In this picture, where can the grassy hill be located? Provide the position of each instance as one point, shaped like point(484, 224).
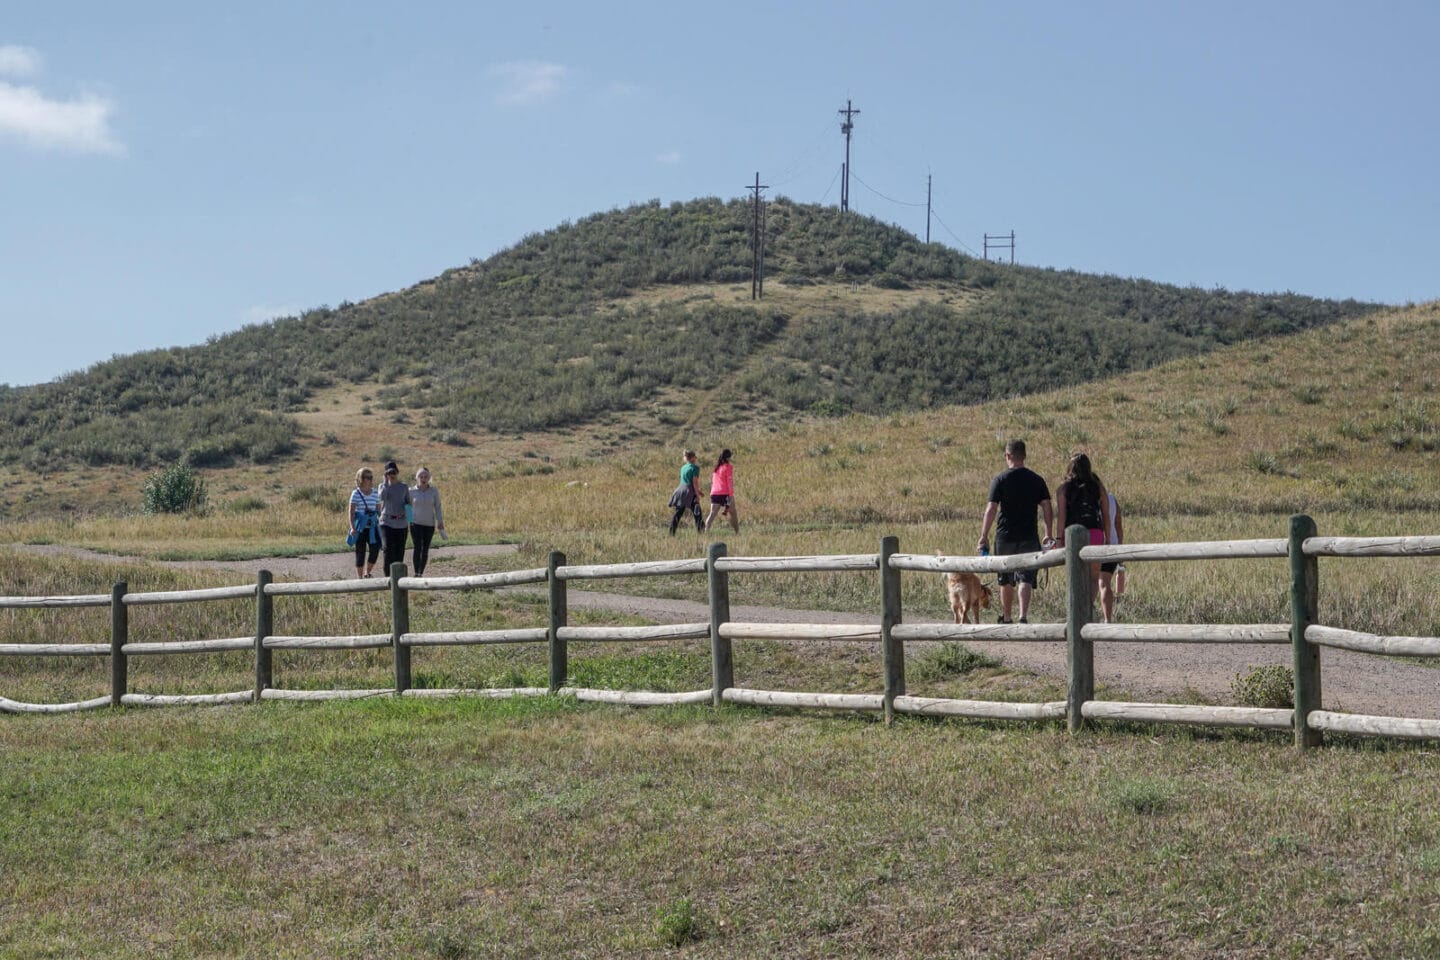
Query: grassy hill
point(464, 810)
point(644, 314)
point(1340, 422)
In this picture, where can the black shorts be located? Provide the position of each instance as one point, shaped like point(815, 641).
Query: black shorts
point(720, 499)
point(1016, 577)
point(1005, 548)
point(1109, 567)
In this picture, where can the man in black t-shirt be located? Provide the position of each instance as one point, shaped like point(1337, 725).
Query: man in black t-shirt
point(1014, 496)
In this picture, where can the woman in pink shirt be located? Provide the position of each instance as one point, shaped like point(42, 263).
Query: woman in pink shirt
point(722, 492)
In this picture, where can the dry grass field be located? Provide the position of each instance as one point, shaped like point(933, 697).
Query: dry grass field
point(1341, 423)
point(546, 827)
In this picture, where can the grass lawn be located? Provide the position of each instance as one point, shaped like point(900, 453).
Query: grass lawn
point(546, 827)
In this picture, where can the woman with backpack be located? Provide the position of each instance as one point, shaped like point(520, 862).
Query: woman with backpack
point(1082, 499)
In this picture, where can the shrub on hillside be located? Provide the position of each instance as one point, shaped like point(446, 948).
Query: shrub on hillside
point(1272, 686)
point(320, 496)
point(890, 281)
point(175, 489)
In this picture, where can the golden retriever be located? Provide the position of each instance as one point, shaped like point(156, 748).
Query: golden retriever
point(967, 595)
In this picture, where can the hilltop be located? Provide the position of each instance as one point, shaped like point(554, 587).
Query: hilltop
point(630, 327)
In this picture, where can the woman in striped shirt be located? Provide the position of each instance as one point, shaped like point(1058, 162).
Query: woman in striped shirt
point(364, 519)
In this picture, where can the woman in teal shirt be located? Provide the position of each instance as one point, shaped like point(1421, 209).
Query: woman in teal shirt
point(687, 495)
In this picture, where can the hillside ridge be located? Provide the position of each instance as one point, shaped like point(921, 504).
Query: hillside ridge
point(642, 312)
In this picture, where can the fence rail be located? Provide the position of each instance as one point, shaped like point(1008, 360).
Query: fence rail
point(1307, 719)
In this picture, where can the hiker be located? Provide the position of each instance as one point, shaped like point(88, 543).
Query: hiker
point(1081, 499)
point(364, 522)
point(425, 518)
point(687, 494)
point(1115, 534)
point(722, 492)
point(394, 516)
point(1015, 494)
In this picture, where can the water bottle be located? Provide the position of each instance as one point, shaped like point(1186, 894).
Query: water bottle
point(985, 550)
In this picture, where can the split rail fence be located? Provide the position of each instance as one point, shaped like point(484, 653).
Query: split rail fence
point(1308, 720)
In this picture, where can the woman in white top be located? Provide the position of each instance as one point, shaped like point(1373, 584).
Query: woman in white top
point(364, 522)
point(425, 517)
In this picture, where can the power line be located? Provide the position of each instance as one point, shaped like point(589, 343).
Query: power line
point(903, 203)
point(792, 170)
point(952, 234)
point(838, 171)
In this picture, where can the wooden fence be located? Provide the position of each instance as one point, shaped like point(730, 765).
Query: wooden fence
point(1308, 719)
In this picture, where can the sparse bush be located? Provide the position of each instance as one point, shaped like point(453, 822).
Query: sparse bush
point(1263, 461)
point(1353, 430)
point(320, 496)
point(1145, 795)
point(1429, 861)
point(889, 281)
point(176, 489)
point(247, 504)
point(1271, 686)
point(950, 659)
point(677, 923)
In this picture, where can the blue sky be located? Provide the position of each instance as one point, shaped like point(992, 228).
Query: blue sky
point(173, 171)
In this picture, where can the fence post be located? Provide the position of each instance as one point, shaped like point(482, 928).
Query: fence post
point(399, 626)
point(119, 636)
point(559, 616)
point(892, 650)
point(1080, 652)
point(1304, 610)
point(722, 661)
point(264, 627)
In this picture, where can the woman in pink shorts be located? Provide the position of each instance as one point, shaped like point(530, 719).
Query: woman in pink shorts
point(1082, 499)
point(722, 492)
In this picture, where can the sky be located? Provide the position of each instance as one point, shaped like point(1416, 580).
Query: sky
point(170, 172)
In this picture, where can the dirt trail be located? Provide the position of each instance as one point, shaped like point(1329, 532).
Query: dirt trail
point(1352, 682)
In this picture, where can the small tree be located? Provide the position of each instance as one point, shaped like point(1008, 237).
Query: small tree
point(174, 490)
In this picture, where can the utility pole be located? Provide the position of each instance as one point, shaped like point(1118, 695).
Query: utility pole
point(845, 128)
point(757, 244)
point(928, 177)
point(762, 251)
point(1000, 244)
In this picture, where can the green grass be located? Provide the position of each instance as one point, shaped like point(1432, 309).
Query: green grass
point(546, 827)
point(470, 828)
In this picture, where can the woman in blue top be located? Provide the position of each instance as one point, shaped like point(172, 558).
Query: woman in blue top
point(364, 519)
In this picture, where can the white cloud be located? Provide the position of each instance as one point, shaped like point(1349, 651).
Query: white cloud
point(523, 83)
point(19, 61)
point(669, 156)
point(82, 125)
point(26, 114)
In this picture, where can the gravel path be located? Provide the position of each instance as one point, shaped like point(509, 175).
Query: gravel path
point(1353, 682)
